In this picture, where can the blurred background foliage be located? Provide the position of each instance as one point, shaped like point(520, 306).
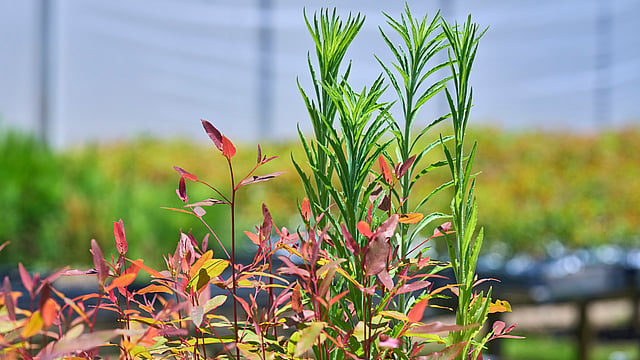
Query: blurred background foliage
point(535, 188)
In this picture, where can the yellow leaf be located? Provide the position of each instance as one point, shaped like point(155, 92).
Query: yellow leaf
point(308, 337)
point(410, 218)
point(33, 326)
point(500, 306)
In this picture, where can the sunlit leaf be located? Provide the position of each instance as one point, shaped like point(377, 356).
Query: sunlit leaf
point(417, 310)
point(308, 337)
point(33, 326)
point(410, 218)
point(49, 311)
point(499, 306)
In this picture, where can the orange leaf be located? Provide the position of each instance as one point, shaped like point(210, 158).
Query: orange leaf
point(178, 210)
point(417, 311)
point(153, 288)
point(253, 237)
point(410, 218)
point(123, 280)
point(500, 306)
point(364, 229)
point(149, 270)
point(296, 302)
point(384, 168)
point(49, 312)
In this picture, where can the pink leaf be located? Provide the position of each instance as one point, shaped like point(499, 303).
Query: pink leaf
point(449, 353)
point(414, 286)
point(213, 133)
point(26, 278)
point(442, 229)
point(200, 212)
point(259, 155)
point(436, 327)
point(258, 178)
point(386, 279)
point(121, 240)
point(389, 342)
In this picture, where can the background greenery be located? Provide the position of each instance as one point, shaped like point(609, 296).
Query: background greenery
point(535, 188)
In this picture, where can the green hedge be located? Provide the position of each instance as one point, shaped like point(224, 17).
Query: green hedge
point(535, 187)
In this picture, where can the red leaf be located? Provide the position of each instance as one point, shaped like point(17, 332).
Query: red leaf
point(267, 224)
point(259, 155)
point(185, 173)
point(417, 310)
point(8, 299)
point(442, 229)
point(384, 168)
point(228, 149)
point(306, 209)
point(403, 167)
point(213, 133)
point(385, 279)
point(182, 190)
point(121, 240)
point(351, 244)
point(259, 178)
point(385, 204)
point(98, 261)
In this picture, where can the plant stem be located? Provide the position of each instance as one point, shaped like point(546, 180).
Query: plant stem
point(233, 256)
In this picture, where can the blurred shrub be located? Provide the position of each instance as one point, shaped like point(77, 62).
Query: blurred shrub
point(579, 189)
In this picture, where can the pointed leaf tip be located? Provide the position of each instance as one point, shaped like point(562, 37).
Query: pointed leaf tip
point(228, 150)
point(213, 133)
point(121, 240)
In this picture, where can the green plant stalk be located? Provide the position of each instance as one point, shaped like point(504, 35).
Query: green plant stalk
point(464, 252)
point(332, 39)
point(420, 46)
